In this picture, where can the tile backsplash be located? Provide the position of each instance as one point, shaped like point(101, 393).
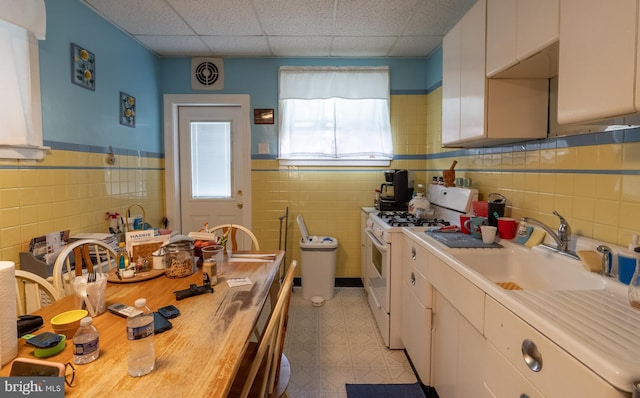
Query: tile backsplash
point(593, 180)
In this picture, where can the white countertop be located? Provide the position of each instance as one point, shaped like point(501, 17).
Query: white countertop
point(597, 327)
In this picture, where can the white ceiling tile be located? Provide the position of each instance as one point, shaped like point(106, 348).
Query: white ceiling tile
point(435, 17)
point(362, 46)
point(220, 17)
point(295, 18)
point(286, 46)
point(238, 46)
point(373, 17)
point(146, 17)
point(412, 46)
point(175, 45)
point(287, 28)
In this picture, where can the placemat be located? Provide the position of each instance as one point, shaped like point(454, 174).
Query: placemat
point(458, 240)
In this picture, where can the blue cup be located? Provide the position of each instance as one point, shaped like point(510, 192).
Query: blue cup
point(626, 268)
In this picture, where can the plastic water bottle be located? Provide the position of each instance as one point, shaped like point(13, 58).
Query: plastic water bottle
point(86, 342)
point(142, 357)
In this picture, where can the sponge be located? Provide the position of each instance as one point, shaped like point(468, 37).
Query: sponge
point(537, 236)
point(591, 260)
point(524, 232)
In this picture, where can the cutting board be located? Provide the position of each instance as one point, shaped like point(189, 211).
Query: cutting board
point(458, 240)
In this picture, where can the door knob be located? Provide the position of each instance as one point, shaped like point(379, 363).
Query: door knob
point(239, 192)
point(239, 205)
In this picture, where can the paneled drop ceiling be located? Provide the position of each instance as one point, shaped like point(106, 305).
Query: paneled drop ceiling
point(285, 28)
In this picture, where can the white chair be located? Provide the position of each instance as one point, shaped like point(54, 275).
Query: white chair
point(96, 255)
point(244, 242)
point(34, 292)
point(265, 370)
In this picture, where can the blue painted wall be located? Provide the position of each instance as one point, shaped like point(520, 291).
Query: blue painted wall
point(74, 115)
point(258, 77)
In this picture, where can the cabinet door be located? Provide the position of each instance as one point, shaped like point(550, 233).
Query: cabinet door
point(597, 59)
point(451, 86)
point(445, 347)
point(416, 332)
point(538, 26)
point(472, 72)
point(501, 35)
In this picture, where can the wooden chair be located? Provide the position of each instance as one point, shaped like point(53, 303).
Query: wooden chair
point(96, 255)
point(34, 292)
point(265, 370)
point(231, 231)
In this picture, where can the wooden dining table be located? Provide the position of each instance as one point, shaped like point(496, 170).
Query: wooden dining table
point(198, 357)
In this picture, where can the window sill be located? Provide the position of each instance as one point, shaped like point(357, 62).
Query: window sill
point(23, 152)
point(335, 162)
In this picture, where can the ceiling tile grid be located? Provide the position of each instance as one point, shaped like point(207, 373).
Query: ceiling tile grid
point(285, 28)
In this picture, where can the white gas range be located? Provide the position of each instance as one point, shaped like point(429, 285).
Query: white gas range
point(384, 262)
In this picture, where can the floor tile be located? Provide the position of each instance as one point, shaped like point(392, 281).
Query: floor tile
point(338, 343)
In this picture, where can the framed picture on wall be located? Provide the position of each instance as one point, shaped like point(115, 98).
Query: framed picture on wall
point(127, 110)
point(83, 67)
point(263, 116)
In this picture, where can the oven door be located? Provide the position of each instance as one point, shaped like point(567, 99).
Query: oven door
point(378, 270)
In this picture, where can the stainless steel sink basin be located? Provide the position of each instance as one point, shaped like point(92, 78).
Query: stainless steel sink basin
point(517, 268)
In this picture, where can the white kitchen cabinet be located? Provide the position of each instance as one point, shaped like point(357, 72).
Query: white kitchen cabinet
point(501, 379)
point(477, 111)
point(417, 301)
point(559, 374)
point(520, 34)
point(597, 62)
point(458, 353)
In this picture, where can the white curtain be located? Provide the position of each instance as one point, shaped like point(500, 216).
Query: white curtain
point(334, 112)
point(21, 22)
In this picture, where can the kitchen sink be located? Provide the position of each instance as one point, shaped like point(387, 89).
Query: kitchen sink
point(515, 268)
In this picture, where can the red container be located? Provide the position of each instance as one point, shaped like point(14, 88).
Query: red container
point(480, 208)
point(507, 227)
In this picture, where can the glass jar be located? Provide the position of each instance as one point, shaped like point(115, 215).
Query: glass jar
point(179, 259)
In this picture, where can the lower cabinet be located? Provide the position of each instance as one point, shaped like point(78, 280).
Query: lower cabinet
point(543, 367)
point(458, 353)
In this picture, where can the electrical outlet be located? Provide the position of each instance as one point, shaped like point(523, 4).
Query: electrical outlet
point(263, 149)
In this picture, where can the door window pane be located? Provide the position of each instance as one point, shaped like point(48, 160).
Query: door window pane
point(210, 160)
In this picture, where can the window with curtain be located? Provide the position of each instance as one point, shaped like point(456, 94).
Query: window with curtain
point(22, 24)
point(331, 115)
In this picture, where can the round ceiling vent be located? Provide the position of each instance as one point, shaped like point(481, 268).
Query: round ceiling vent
point(207, 73)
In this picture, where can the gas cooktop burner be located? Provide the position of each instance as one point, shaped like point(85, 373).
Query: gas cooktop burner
point(404, 219)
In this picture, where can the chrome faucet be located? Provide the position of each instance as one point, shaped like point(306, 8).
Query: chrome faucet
point(561, 238)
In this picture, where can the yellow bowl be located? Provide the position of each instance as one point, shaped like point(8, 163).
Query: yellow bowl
point(67, 323)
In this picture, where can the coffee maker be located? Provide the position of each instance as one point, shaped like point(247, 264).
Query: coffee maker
point(395, 192)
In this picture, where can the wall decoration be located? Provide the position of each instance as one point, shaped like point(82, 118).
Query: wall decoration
point(127, 110)
point(83, 67)
point(263, 116)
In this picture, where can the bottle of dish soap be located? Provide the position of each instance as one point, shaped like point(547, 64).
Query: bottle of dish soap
point(634, 284)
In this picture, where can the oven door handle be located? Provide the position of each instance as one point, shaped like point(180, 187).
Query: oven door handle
point(374, 240)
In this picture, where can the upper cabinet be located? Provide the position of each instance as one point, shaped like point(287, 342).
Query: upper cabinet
point(477, 111)
point(597, 64)
point(522, 38)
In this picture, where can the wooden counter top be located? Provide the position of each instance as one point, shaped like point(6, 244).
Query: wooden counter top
point(198, 357)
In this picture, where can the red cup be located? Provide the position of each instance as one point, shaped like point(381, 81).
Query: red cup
point(507, 227)
point(464, 218)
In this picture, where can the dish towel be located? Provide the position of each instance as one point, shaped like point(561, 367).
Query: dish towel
point(8, 325)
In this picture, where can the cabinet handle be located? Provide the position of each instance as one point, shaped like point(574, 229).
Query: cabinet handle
point(413, 279)
point(531, 355)
point(413, 253)
point(524, 396)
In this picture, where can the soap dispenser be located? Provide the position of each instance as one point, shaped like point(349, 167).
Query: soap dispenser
point(627, 261)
